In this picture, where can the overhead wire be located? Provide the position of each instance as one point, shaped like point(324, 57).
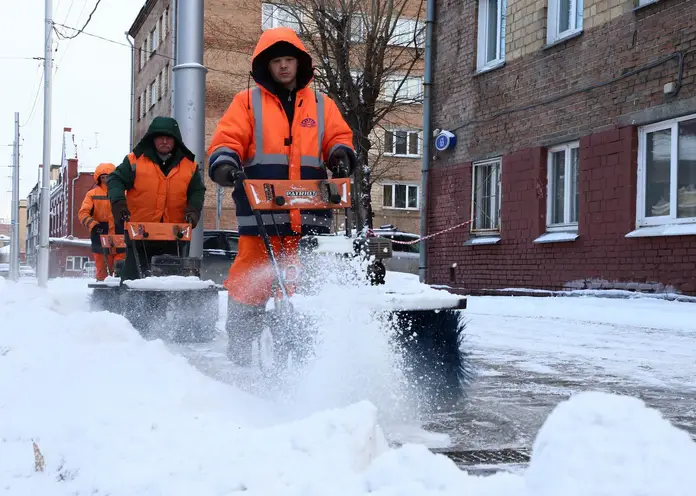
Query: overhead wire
point(80, 30)
point(115, 42)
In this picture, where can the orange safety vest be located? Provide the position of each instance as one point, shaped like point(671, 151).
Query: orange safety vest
point(156, 197)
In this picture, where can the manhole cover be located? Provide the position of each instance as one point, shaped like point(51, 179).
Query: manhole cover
point(488, 456)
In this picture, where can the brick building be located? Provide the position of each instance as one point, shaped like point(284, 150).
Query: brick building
point(68, 238)
point(231, 31)
point(575, 158)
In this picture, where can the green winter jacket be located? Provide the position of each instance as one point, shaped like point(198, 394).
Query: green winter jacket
point(123, 178)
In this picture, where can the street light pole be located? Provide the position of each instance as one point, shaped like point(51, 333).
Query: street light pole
point(189, 92)
point(45, 205)
point(14, 242)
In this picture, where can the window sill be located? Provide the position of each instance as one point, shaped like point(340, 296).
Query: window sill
point(399, 209)
point(489, 68)
point(397, 155)
point(664, 230)
point(483, 240)
point(557, 237)
point(563, 39)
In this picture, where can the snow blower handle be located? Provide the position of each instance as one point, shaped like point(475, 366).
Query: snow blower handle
point(241, 175)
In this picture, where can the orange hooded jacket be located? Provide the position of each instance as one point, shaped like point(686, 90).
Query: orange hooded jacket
point(96, 208)
point(255, 132)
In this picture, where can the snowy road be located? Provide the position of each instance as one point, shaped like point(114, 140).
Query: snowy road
point(532, 353)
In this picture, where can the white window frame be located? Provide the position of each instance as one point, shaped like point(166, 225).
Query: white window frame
point(411, 90)
point(553, 22)
point(494, 198)
point(143, 104)
point(641, 219)
point(153, 92)
point(71, 259)
point(270, 18)
point(409, 132)
point(567, 224)
point(482, 41)
point(393, 188)
point(143, 54)
point(165, 23)
point(404, 31)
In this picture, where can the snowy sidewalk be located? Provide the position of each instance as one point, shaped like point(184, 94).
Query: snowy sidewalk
point(532, 353)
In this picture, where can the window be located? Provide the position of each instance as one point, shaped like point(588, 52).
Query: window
point(165, 23)
point(143, 104)
point(491, 33)
point(165, 80)
point(565, 19)
point(154, 37)
point(401, 196)
point(140, 107)
point(406, 31)
point(485, 201)
point(153, 92)
point(274, 16)
point(667, 172)
point(75, 263)
point(402, 143)
point(358, 28)
point(143, 55)
point(411, 88)
point(562, 194)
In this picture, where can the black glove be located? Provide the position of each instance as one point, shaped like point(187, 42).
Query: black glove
point(341, 163)
point(192, 216)
point(226, 168)
point(97, 230)
point(119, 209)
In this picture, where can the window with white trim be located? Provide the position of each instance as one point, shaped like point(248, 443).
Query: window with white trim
point(358, 28)
point(406, 31)
point(667, 172)
point(564, 19)
point(153, 92)
point(165, 23)
point(491, 33)
point(154, 36)
point(143, 104)
point(402, 143)
point(143, 54)
point(400, 196)
point(409, 88)
point(148, 45)
point(562, 192)
point(276, 15)
point(485, 198)
point(75, 262)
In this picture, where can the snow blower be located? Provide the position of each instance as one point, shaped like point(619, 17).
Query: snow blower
point(429, 322)
point(169, 300)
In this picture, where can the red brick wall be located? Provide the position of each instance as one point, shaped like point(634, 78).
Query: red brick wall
point(83, 184)
point(58, 256)
point(601, 257)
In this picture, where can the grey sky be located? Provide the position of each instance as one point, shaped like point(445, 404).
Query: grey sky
point(91, 85)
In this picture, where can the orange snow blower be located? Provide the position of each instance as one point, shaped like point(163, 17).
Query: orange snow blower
point(431, 331)
point(168, 300)
point(112, 244)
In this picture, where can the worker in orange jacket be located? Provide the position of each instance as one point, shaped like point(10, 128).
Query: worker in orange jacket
point(280, 129)
point(95, 215)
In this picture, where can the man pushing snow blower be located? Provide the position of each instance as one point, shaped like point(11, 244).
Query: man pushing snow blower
point(95, 215)
point(281, 129)
point(163, 185)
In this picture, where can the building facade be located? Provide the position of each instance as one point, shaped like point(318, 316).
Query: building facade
point(231, 31)
point(68, 238)
point(575, 159)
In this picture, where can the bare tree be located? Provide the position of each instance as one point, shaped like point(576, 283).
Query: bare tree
point(366, 53)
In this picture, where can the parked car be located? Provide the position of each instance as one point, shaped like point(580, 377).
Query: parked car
point(405, 257)
point(219, 251)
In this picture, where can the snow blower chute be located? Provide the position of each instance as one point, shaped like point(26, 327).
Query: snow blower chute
point(169, 300)
point(429, 321)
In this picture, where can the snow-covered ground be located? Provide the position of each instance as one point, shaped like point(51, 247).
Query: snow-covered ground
point(111, 413)
point(532, 353)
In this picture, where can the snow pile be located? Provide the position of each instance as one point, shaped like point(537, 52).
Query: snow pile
point(597, 444)
point(114, 414)
point(170, 283)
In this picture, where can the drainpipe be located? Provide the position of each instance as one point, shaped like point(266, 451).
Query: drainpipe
point(72, 205)
point(173, 25)
point(132, 93)
point(427, 133)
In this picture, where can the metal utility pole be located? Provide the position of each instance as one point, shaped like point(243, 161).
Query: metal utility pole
point(189, 92)
point(45, 192)
point(14, 242)
point(218, 215)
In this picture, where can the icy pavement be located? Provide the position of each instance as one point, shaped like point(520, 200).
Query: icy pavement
point(532, 353)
